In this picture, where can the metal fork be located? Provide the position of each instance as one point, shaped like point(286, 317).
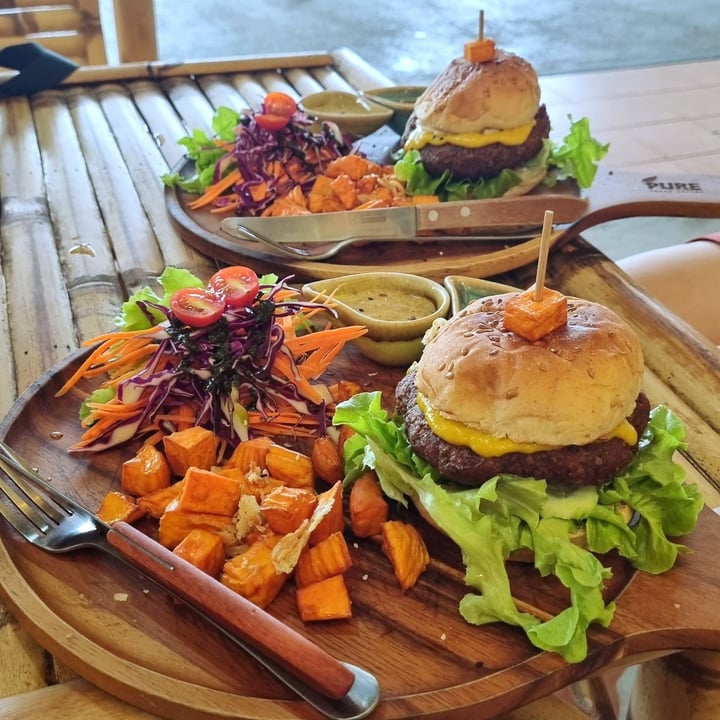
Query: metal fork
point(56, 523)
point(325, 250)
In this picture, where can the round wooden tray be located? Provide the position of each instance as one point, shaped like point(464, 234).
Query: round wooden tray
point(130, 638)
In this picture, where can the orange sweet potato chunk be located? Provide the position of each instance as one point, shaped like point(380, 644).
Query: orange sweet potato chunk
point(334, 520)
point(204, 549)
point(209, 492)
point(250, 455)
point(175, 525)
point(328, 599)
point(193, 447)
point(117, 506)
point(327, 558)
point(368, 507)
point(253, 575)
point(533, 319)
point(156, 503)
point(326, 461)
point(285, 508)
point(406, 550)
point(146, 472)
point(290, 467)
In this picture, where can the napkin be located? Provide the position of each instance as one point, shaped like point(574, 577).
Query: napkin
point(38, 69)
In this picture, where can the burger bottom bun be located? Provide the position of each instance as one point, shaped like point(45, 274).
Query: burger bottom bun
point(571, 387)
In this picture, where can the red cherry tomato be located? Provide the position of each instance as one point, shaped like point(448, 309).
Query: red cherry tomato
point(277, 110)
point(196, 307)
point(237, 286)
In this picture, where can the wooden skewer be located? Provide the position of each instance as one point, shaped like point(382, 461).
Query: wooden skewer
point(544, 251)
point(481, 25)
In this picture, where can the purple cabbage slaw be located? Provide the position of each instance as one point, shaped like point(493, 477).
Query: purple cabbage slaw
point(224, 371)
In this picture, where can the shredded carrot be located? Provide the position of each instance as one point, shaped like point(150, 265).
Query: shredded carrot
point(216, 189)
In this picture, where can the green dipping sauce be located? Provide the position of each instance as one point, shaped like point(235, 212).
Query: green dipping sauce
point(390, 304)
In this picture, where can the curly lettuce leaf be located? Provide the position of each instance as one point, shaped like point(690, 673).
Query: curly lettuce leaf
point(509, 513)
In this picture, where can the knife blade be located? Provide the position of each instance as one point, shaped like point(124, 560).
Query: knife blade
point(497, 216)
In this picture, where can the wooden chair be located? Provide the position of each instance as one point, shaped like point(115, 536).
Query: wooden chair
point(73, 28)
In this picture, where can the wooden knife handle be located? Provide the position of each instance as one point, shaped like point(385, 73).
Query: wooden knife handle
point(514, 212)
point(234, 613)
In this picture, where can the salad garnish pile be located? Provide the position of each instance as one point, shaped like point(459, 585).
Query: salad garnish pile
point(241, 356)
point(256, 158)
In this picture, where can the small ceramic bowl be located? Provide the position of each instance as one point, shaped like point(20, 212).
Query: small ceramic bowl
point(353, 114)
point(396, 308)
point(464, 290)
point(400, 99)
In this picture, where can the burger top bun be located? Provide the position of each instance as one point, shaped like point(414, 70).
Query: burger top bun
point(571, 387)
point(471, 97)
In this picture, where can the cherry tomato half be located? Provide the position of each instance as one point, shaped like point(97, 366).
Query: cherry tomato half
point(237, 285)
point(196, 307)
point(277, 110)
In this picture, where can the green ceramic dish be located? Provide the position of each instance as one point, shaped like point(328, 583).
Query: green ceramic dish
point(464, 290)
point(400, 99)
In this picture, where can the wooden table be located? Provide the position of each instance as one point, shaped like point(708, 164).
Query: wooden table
point(84, 224)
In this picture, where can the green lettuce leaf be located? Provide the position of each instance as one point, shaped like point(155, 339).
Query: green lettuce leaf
point(204, 151)
point(133, 317)
point(510, 513)
point(577, 155)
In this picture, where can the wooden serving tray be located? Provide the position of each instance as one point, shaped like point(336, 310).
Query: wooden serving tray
point(130, 638)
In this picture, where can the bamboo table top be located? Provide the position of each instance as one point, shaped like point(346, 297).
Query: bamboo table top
point(84, 224)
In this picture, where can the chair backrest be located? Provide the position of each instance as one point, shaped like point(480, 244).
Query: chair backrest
point(73, 28)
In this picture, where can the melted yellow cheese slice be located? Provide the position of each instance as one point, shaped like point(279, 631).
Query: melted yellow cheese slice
point(457, 433)
point(418, 138)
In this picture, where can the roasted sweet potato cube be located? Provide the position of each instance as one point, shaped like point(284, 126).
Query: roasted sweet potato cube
point(204, 549)
point(289, 467)
point(344, 188)
point(344, 390)
point(328, 599)
point(194, 447)
point(117, 506)
point(146, 472)
point(253, 575)
point(334, 520)
point(353, 165)
point(406, 550)
point(344, 432)
point(156, 503)
point(321, 190)
point(368, 507)
point(209, 492)
point(285, 508)
point(251, 483)
point(327, 558)
point(175, 525)
point(250, 455)
point(533, 319)
point(326, 461)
